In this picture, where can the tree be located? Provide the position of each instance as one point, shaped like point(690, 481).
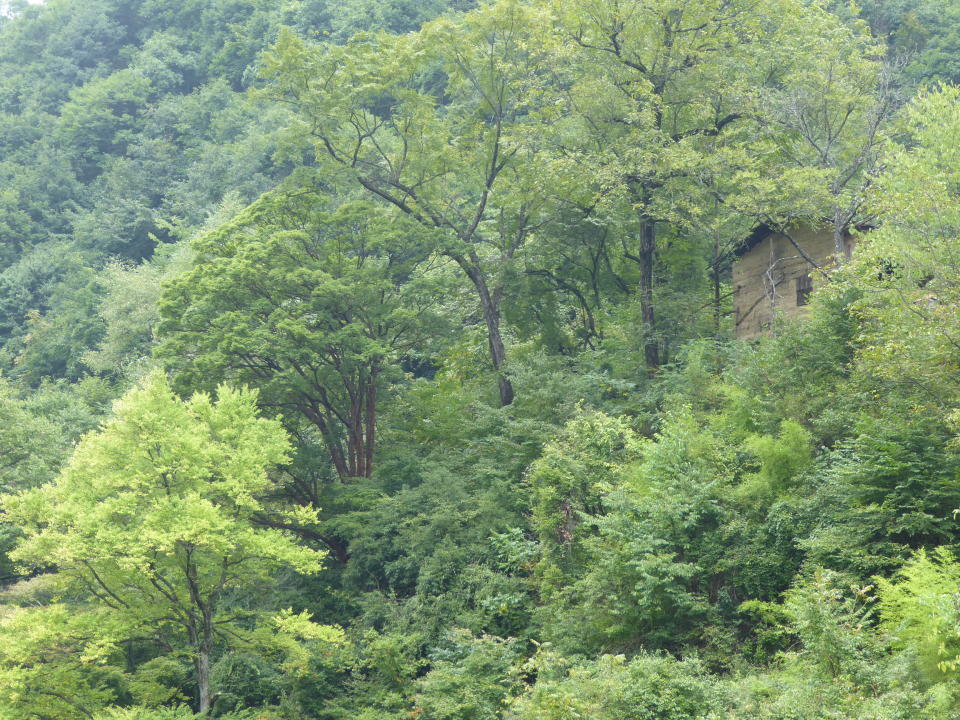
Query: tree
point(470, 678)
point(152, 517)
point(441, 125)
point(342, 19)
point(918, 607)
point(57, 661)
point(668, 101)
point(568, 485)
point(830, 118)
point(611, 687)
point(130, 313)
point(651, 79)
point(100, 117)
point(31, 446)
point(309, 301)
point(908, 270)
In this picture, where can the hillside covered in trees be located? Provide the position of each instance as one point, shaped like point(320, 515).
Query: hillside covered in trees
point(375, 360)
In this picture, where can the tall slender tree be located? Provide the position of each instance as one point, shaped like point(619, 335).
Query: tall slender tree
point(436, 124)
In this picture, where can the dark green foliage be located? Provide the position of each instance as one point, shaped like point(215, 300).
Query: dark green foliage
point(761, 530)
point(245, 681)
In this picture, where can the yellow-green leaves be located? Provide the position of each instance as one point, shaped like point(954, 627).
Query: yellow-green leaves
point(908, 270)
point(154, 519)
point(919, 609)
point(55, 661)
point(292, 635)
point(160, 473)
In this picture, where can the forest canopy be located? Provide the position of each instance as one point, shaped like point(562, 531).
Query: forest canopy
point(378, 359)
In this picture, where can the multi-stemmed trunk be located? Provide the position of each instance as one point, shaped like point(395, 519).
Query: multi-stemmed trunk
point(350, 435)
point(361, 431)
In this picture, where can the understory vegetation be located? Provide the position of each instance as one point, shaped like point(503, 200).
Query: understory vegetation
point(376, 360)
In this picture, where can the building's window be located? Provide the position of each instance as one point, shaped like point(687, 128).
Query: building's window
point(804, 288)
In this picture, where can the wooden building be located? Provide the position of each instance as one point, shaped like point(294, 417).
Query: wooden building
point(772, 278)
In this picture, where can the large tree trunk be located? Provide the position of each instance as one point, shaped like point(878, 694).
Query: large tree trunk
point(491, 316)
point(201, 630)
point(646, 256)
point(202, 664)
point(355, 433)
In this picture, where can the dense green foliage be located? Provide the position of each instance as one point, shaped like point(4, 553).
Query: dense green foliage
point(374, 359)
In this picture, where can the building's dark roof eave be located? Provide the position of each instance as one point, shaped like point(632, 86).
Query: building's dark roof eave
point(757, 236)
point(762, 231)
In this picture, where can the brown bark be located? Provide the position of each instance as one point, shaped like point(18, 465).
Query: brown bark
point(352, 456)
point(362, 431)
point(316, 416)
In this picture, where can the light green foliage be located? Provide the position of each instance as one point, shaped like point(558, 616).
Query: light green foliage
point(409, 208)
point(838, 666)
point(57, 662)
point(672, 108)
point(37, 432)
point(347, 17)
point(908, 268)
point(828, 119)
point(782, 457)
point(568, 485)
point(178, 713)
point(832, 620)
point(130, 312)
point(30, 446)
point(919, 608)
point(442, 125)
point(641, 550)
point(653, 550)
point(470, 679)
point(647, 687)
point(152, 516)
